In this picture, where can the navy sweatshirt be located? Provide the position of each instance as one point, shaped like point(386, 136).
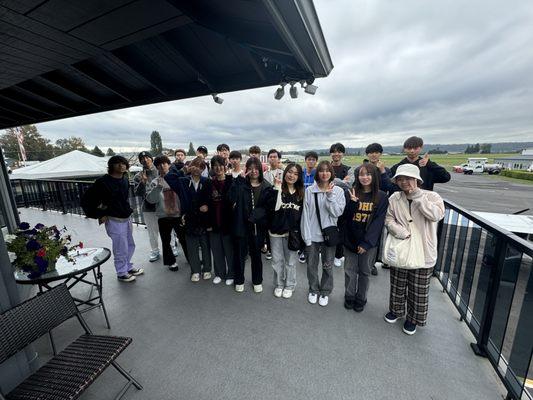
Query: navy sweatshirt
point(284, 211)
point(113, 194)
point(363, 221)
point(431, 173)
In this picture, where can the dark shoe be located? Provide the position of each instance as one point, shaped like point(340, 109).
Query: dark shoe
point(348, 304)
point(374, 271)
point(264, 249)
point(126, 278)
point(301, 258)
point(173, 267)
point(136, 271)
point(391, 318)
point(409, 328)
point(359, 305)
point(268, 255)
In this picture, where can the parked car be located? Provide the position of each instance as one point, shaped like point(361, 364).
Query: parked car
point(459, 168)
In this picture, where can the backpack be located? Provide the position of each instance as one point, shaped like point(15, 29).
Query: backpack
point(91, 202)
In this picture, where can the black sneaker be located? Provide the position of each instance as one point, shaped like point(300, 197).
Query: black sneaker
point(348, 304)
point(268, 255)
point(374, 271)
point(136, 271)
point(359, 305)
point(126, 278)
point(391, 318)
point(301, 258)
point(409, 328)
point(173, 267)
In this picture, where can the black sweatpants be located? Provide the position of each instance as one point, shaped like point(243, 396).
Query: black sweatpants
point(166, 225)
point(248, 245)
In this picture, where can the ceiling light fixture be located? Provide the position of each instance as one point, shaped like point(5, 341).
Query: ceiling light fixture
point(280, 92)
point(217, 99)
point(293, 91)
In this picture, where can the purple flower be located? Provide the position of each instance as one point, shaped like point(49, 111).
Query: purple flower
point(39, 226)
point(33, 245)
point(31, 232)
point(24, 225)
point(42, 264)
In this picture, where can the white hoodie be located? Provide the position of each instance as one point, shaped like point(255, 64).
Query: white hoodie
point(331, 206)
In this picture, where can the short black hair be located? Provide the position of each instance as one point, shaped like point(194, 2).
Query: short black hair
point(235, 154)
point(218, 160)
point(337, 147)
point(222, 146)
point(161, 160)
point(180, 151)
point(413, 142)
point(254, 150)
point(274, 151)
point(311, 154)
point(116, 160)
point(202, 149)
point(374, 148)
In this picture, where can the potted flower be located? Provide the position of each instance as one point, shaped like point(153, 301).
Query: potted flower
point(36, 250)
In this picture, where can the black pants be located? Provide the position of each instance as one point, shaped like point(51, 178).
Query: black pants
point(166, 225)
point(339, 251)
point(248, 245)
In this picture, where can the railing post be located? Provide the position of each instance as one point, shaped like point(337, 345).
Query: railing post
point(61, 196)
point(41, 194)
point(24, 196)
point(496, 264)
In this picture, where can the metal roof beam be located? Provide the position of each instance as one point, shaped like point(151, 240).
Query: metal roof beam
point(100, 78)
point(67, 86)
point(25, 105)
point(33, 94)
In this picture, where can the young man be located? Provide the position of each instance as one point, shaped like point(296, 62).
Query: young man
point(274, 170)
point(336, 151)
point(179, 162)
point(430, 172)
point(308, 174)
point(223, 151)
point(201, 152)
point(255, 151)
point(115, 211)
point(140, 181)
point(235, 158)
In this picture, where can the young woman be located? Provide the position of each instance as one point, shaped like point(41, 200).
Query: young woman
point(194, 192)
point(220, 212)
point(363, 217)
point(285, 208)
point(248, 196)
point(331, 201)
point(423, 209)
point(167, 210)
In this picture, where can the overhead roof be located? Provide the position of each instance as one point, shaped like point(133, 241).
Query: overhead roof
point(64, 58)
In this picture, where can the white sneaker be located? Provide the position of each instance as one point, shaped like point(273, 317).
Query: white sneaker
point(323, 301)
point(217, 280)
point(278, 291)
point(378, 264)
point(195, 277)
point(154, 256)
point(312, 298)
point(206, 275)
point(287, 293)
point(239, 288)
point(338, 262)
point(258, 288)
point(229, 282)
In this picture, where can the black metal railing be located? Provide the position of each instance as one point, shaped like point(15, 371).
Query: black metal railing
point(62, 196)
point(488, 274)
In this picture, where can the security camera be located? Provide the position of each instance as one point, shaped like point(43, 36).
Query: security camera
point(216, 99)
point(293, 91)
point(310, 89)
point(280, 92)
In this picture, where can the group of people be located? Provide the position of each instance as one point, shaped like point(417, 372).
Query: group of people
point(223, 213)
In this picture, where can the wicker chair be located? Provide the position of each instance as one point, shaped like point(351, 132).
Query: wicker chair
point(69, 373)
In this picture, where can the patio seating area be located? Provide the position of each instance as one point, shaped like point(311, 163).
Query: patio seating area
point(201, 341)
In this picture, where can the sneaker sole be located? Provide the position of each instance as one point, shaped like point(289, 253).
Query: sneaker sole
point(390, 321)
point(410, 333)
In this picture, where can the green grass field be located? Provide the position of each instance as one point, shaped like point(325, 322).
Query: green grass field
point(446, 160)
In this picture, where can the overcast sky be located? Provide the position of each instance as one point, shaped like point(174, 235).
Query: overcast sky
point(450, 71)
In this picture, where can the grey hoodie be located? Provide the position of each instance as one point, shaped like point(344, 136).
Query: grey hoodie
point(331, 208)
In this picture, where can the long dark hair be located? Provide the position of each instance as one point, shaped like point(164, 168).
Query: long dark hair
point(374, 172)
point(254, 162)
point(298, 185)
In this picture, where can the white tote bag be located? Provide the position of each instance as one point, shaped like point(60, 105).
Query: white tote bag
point(405, 253)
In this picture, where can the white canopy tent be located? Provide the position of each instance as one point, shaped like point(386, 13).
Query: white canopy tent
point(75, 164)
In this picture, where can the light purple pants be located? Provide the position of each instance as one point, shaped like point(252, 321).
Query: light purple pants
point(121, 235)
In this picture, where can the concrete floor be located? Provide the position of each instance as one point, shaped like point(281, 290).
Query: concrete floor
point(201, 341)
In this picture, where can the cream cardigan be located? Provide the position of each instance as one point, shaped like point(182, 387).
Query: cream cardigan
point(427, 209)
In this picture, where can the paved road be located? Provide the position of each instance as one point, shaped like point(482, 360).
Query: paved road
point(487, 193)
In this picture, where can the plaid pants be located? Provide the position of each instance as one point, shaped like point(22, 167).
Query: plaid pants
point(411, 285)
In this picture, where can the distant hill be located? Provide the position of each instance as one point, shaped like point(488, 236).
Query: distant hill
point(502, 147)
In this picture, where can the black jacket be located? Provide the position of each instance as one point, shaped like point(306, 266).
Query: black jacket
point(248, 219)
point(196, 222)
point(363, 221)
point(287, 216)
point(431, 173)
point(113, 195)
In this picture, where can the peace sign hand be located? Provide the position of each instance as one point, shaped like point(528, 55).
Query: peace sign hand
point(330, 188)
point(352, 195)
point(423, 161)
